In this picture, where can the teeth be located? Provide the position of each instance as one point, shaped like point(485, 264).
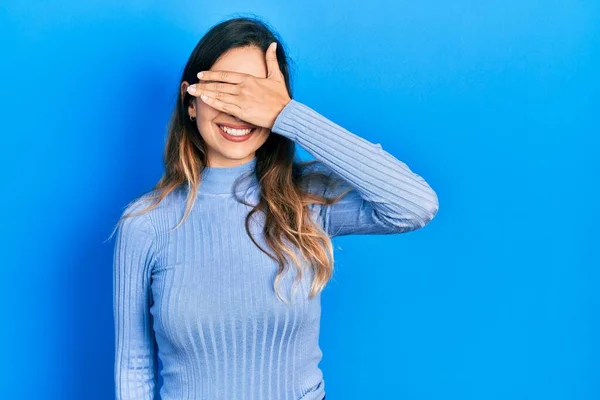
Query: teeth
point(235, 132)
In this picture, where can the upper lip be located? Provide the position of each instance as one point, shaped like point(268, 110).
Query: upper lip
point(234, 126)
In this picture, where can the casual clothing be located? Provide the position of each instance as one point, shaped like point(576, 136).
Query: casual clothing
point(200, 298)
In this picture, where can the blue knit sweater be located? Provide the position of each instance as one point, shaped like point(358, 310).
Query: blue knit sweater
point(200, 298)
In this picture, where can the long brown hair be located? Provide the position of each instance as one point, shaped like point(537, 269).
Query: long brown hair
point(284, 198)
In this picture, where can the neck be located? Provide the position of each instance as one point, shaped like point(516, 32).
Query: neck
point(220, 180)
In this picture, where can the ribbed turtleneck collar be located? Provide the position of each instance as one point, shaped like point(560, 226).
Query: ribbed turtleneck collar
point(220, 180)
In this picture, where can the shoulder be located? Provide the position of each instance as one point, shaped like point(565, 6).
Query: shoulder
point(134, 222)
point(155, 216)
point(173, 201)
point(135, 241)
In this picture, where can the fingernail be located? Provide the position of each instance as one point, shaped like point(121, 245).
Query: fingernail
point(200, 74)
point(191, 89)
point(204, 97)
point(275, 47)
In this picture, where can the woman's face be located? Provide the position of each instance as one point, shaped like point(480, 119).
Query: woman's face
point(223, 152)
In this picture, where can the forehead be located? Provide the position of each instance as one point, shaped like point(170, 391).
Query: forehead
point(247, 60)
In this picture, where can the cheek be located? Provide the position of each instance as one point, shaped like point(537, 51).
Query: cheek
point(206, 112)
point(207, 131)
point(264, 135)
point(205, 116)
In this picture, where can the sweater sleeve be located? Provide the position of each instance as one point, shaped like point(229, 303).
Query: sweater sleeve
point(386, 196)
point(135, 345)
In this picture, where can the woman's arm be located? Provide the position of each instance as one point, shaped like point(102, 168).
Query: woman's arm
point(135, 347)
point(387, 197)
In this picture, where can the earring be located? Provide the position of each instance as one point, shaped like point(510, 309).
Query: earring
point(192, 118)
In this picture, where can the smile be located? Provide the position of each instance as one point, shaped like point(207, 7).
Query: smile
point(235, 135)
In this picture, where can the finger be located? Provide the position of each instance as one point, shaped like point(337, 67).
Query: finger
point(220, 105)
point(273, 71)
point(218, 87)
point(226, 97)
point(222, 76)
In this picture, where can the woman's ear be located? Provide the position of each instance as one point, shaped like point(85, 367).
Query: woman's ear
point(183, 88)
point(191, 104)
point(192, 108)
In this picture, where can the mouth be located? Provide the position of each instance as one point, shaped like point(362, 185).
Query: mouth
point(235, 134)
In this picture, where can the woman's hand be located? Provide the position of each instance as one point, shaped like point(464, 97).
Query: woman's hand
point(257, 101)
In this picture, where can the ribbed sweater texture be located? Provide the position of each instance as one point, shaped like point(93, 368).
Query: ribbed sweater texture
point(199, 300)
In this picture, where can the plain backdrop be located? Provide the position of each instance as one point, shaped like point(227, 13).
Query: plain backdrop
point(494, 103)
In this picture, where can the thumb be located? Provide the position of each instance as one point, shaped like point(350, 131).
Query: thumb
point(273, 71)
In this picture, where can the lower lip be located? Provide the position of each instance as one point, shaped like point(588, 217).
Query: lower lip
point(233, 138)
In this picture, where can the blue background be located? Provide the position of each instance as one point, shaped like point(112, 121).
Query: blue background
point(494, 103)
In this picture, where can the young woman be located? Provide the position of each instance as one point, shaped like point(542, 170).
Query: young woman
point(218, 270)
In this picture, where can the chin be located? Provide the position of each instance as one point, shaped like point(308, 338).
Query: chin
point(236, 154)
